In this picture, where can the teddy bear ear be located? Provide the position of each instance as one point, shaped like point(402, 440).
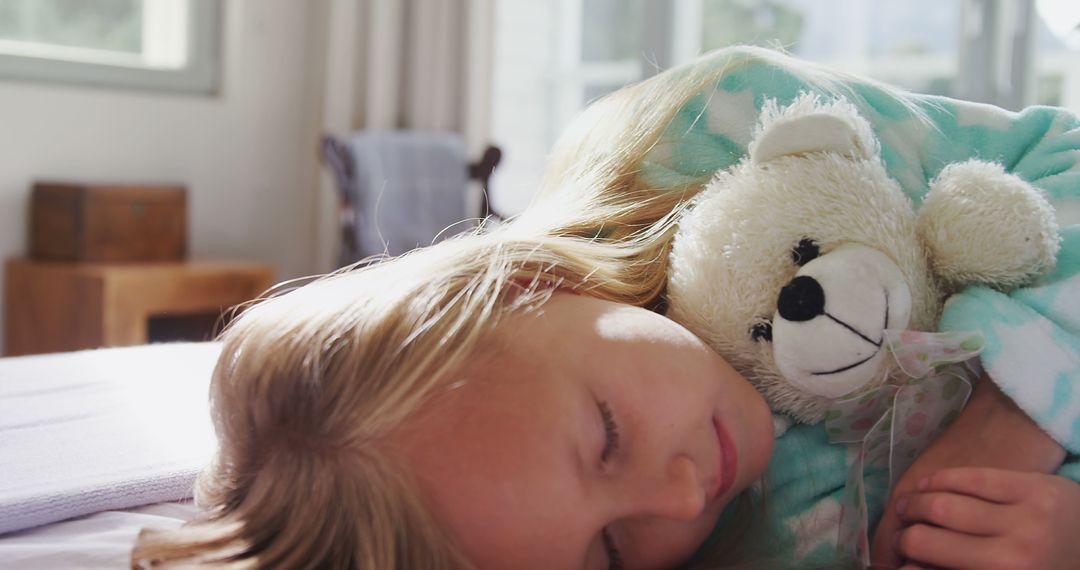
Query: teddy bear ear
point(810, 124)
point(805, 134)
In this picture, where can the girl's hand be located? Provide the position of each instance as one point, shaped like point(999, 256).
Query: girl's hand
point(990, 432)
point(976, 517)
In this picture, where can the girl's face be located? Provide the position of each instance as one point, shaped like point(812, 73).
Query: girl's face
point(600, 436)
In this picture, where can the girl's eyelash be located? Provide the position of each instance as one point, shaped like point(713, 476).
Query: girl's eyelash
point(611, 432)
point(611, 445)
point(614, 558)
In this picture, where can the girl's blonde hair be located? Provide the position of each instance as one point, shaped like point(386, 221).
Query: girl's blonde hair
point(310, 382)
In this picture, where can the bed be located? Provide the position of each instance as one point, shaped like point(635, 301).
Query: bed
point(96, 445)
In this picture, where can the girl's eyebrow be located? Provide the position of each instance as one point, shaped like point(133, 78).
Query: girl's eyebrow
point(588, 427)
point(580, 442)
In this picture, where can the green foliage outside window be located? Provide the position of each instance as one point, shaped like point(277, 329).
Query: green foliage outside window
point(114, 25)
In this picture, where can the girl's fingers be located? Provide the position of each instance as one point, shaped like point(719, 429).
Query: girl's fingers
point(995, 485)
point(961, 513)
point(926, 546)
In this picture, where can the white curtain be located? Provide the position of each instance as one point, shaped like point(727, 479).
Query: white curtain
point(425, 64)
point(400, 64)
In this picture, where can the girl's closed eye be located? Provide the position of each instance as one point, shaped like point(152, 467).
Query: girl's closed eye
point(614, 558)
point(611, 432)
point(611, 445)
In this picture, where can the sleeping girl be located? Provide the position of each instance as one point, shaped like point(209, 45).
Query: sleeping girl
point(515, 397)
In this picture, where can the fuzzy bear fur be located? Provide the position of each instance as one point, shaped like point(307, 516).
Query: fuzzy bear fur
point(814, 172)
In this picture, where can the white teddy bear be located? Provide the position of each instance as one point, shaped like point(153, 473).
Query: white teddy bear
point(793, 263)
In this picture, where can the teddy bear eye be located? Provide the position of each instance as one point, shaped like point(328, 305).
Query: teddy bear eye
point(805, 252)
point(761, 331)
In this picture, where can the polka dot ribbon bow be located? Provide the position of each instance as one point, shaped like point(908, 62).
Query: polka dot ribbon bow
point(888, 426)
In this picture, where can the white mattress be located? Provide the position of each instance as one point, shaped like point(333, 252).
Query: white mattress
point(102, 540)
point(99, 431)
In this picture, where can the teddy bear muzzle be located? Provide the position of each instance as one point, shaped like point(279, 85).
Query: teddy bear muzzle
point(828, 329)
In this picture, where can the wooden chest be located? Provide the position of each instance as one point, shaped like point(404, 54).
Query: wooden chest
point(53, 307)
point(108, 223)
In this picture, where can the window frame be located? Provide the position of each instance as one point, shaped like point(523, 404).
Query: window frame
point(199, 76)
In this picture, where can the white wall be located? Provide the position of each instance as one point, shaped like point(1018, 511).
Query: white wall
point(246, 155)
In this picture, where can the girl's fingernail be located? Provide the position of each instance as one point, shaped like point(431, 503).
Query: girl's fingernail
point(923, 483)
point(901, 505)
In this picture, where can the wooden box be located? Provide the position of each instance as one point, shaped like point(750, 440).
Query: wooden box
point(108, 223)
point(53, 307)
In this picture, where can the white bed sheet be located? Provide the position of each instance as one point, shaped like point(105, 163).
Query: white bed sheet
point(99, 541)
point(100, 430)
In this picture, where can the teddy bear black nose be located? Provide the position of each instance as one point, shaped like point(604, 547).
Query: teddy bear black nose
point(801, 300)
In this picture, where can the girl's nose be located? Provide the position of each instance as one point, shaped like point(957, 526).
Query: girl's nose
point(679, 495)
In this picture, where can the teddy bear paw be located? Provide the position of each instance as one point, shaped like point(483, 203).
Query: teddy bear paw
point(981, 224)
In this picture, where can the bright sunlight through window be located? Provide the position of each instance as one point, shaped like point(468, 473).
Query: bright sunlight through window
point(1063, 19)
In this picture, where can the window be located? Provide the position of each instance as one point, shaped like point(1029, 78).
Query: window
point(553, 57)
point(913, 44)
point(1057, 54)
point(150, 44)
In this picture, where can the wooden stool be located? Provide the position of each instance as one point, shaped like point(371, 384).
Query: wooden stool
point(61, 306)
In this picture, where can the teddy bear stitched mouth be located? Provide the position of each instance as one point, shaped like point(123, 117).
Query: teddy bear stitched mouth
point(860, 335)
point(848, 367)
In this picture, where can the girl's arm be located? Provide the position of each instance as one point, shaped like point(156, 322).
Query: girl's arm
point(999, 431)
point(990, 518)
point(991, 432)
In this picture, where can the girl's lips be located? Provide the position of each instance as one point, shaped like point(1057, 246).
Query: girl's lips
point(728, 460)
